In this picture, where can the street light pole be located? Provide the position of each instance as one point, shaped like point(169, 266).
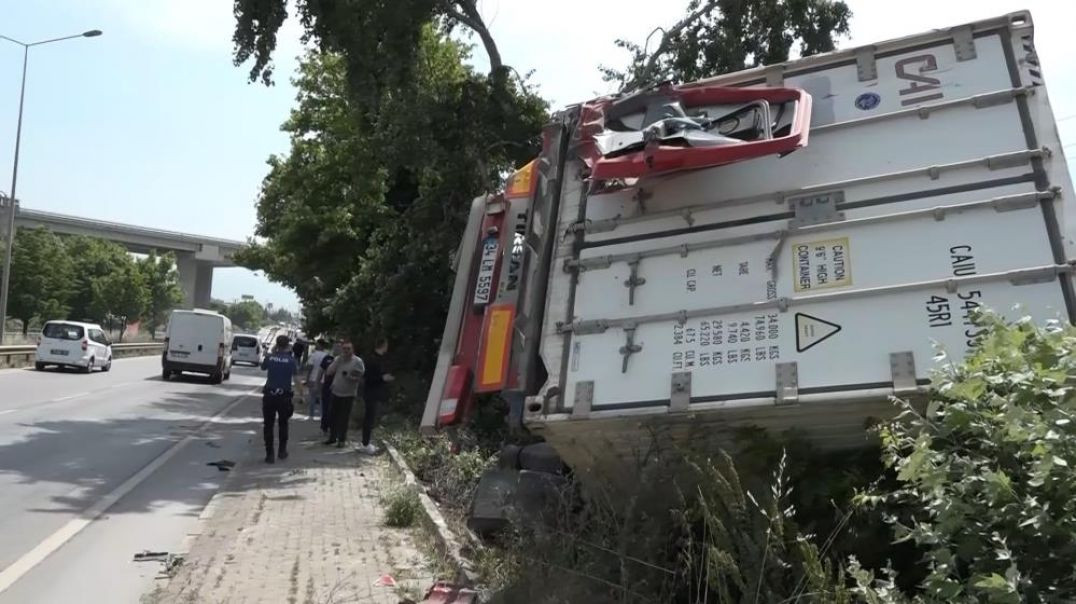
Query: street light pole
point(5, 283)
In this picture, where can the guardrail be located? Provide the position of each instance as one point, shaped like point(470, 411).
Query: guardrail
point(21, 356)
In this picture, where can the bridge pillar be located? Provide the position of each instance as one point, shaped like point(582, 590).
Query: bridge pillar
point(195, 279)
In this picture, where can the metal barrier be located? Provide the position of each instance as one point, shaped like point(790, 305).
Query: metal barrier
point(21, 356)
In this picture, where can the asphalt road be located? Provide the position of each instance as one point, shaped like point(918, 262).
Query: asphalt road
point(72, 445)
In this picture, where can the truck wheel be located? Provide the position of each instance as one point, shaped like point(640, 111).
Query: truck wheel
point(166, 375)
point(39, 366)
point(540, 457)
point(216, 378)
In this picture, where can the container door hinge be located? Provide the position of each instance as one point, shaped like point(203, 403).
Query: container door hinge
point(963, 43)
point(902, 368)
point(633, 281)
point(629, 348)
point(818, 208)
point(788, 383)
point(680, 392)
point(584, 399)
point(866, 68)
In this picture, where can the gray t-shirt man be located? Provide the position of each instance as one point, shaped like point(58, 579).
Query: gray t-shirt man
point(347, 371)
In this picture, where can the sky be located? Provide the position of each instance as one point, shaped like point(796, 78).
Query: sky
point(151, 123)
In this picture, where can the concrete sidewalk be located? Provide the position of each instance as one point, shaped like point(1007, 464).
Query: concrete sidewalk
point(306, 530)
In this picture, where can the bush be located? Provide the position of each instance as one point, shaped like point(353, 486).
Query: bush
point(402, 507)
point(450, 477)
point(711, 540)
point(985, 483)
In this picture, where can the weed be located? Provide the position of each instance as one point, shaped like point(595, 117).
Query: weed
point(402, 507)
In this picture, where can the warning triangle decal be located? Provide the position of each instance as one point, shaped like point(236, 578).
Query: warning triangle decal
point(812, 330)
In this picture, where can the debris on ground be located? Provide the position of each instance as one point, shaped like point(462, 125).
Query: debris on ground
point(148, 556)
point(169, 561)
point(224, 465)
point(385, 581)
point(444, 592)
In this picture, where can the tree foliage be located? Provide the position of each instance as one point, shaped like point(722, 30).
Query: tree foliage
point(82, 278)
point(247, 315)
point(362, 216)
point(119, 296)
point(42, 276)
point(722, 36)
point(379, 40)
point(163, 293)
point(986, 481)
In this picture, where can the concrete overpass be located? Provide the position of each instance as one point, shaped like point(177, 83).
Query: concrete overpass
point(196, 256)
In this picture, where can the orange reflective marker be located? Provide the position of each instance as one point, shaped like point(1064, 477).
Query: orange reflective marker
point(496, 339)
point(522, 182)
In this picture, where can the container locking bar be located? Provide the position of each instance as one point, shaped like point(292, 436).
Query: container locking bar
point(633, 280)
point(630, 347)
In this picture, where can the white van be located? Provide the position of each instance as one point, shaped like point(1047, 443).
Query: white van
point(246, 349)
point(198, 341)
point(73, 344)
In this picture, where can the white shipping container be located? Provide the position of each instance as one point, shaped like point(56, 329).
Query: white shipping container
point(805, 290)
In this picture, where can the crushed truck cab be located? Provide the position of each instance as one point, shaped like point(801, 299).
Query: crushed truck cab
point(682, 262)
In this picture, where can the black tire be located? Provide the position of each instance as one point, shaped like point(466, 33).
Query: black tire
point(89, 366)
point(166, 374)
point(39, 366)
point(108, 365)
point(216, 378)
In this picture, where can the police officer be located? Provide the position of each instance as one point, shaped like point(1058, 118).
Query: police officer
point(281, 367)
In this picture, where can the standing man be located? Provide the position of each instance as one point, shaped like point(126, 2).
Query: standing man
point(375, 392)
point(326, 388)
point(277, 407)
point(298, 350)
point(313, 377)
point(346, 371)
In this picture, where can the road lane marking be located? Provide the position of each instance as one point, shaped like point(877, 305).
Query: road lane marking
point(56, 540)
point(8, 411)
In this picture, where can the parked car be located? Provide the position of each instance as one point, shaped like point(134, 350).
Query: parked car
point(73, 344)
point(198, 341)
point(246, 349)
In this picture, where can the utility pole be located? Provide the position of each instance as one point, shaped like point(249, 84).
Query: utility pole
point(12, 199)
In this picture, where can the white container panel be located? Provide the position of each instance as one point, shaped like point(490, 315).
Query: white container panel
point(837, 344)
point(859, 201)
point(832, 157)
point(837, 259)
point(835, 91)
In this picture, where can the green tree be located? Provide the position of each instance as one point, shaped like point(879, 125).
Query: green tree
point(119, 296)
point(722, 36)
point(163, 292)
point(282, 315)
point(93, 259)
point(41, 277)
point(247, 315)
point(380, 40)
point(362, 216)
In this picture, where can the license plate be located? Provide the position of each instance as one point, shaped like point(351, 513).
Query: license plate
point(61, 353)
point(179, 353)
point(484, 284)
